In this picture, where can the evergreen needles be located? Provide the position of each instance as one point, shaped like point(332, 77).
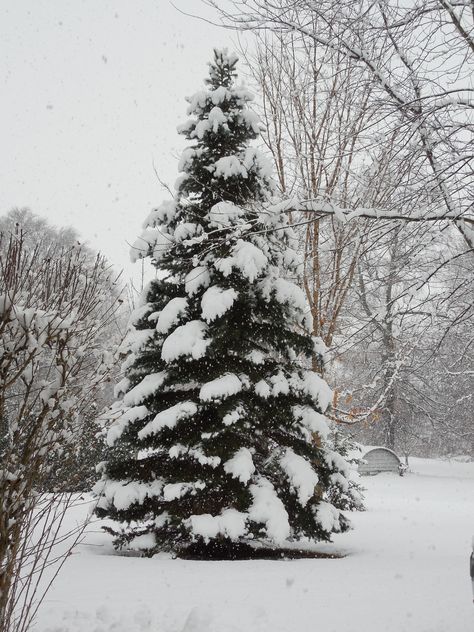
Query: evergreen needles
point(219, 440)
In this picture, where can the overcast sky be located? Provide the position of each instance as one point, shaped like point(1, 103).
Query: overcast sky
point(92, 93)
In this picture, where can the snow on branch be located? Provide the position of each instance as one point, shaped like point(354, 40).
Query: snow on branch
point(323, 207)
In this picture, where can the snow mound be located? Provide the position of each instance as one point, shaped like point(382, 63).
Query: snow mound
point(256, 357)
point(149, 385)
point(301, 475)
point(119, 425)
point(246, 257)
point(197, 278)
point(152, 242)
point(173, 491)
point(287, 293)
point(188, 339)
point(233, 416)
point(311, 384)
point(164, 214)
point(122, 387)
point(263, 389)
point(241, 465)
point(122, 494)
point(328, 517)
point(280, 385)
point(186, 230)
point(223, 214)
point(230, 523)
point(269, 509)
point(168, 418)
point(136, 339)
point(196, 453)
point(229, 167)
point(216, 301)
point(216, 119)
point(311, 419)
point(220, 388)
point(170, 314)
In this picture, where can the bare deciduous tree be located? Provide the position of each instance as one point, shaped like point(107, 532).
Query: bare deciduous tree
point(313, 130)
point(420, 58)
point(410, 162)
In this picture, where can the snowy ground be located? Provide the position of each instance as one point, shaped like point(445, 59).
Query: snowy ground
point(405, 570)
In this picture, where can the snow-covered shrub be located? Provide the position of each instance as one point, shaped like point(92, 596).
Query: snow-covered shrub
point(52, 315)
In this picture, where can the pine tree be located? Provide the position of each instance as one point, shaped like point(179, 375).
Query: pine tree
point(213, 445)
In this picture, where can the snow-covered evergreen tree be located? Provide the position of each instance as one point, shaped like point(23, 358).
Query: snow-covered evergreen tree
point(212, 443)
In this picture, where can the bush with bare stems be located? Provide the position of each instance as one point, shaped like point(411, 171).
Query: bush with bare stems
point(54, 308)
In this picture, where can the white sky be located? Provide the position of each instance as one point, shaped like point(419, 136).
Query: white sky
point(92, 92)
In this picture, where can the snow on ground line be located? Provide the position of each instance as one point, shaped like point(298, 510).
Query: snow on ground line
point(405, 570)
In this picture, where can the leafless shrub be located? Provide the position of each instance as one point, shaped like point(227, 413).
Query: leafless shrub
point(53, 311)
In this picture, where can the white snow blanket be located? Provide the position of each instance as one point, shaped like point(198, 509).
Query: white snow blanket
point(405, 570)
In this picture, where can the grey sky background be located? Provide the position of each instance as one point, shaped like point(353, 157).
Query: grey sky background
point(92, 92)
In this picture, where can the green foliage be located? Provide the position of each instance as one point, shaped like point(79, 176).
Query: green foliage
point(213, 438)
